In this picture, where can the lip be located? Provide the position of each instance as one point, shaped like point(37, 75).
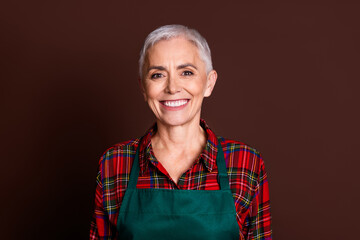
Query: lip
point(174, 108)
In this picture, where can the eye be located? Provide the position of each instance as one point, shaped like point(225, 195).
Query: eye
point(187, 73)
point(156, 75)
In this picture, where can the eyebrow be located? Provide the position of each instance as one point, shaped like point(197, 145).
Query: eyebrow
point(161, 68)
point(156, 67)
point(186, 65)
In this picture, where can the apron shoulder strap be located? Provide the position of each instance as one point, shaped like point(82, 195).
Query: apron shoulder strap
point(222, 173)
point(134, 170)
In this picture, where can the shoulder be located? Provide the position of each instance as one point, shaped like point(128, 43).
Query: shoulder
point(116, 159)
point(238, 146)
point(120, 149)
point(242, 158)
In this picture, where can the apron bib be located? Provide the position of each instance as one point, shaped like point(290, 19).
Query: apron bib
point(170, 214)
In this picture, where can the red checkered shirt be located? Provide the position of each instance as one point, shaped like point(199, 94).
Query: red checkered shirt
point(245, 168)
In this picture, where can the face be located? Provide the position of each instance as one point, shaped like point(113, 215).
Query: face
point(175, 81)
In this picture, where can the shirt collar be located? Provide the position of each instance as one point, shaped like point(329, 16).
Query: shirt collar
point(207, 156)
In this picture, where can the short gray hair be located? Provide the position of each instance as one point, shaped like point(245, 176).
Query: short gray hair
point(171, 31)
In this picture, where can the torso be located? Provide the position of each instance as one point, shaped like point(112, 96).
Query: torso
point(244, 164)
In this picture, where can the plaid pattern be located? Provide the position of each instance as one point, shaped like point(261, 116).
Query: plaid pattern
point(245, 167)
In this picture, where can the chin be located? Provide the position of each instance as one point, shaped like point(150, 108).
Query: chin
point(175, 121)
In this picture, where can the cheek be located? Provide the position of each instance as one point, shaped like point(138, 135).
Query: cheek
point(152, 91)
point(197, 88)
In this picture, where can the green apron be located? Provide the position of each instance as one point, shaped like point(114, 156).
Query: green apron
point(172, 214)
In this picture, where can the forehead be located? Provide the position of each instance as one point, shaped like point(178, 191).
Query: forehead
point(174, 49)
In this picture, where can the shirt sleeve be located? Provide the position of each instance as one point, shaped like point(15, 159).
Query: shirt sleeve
point(100, 227)
point(259, 218)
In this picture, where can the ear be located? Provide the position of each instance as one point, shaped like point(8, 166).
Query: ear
point(210, 83)
point(142, 88)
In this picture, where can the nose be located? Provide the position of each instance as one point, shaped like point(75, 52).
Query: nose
point(172, 85)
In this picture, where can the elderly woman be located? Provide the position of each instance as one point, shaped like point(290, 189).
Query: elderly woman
point(180, 180)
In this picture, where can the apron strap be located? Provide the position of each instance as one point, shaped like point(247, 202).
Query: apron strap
point(223, 178)
point(222, 173)
point(134, 170)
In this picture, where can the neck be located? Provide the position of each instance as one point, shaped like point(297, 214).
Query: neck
point(181, 137)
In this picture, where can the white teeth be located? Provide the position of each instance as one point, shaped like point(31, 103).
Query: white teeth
point(175, 103)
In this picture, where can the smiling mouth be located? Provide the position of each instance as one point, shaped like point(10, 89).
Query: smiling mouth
point(175, 103)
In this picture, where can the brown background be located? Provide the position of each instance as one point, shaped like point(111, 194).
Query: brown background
point(288, 85)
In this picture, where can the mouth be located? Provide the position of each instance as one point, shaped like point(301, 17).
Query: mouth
point(175, 104)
